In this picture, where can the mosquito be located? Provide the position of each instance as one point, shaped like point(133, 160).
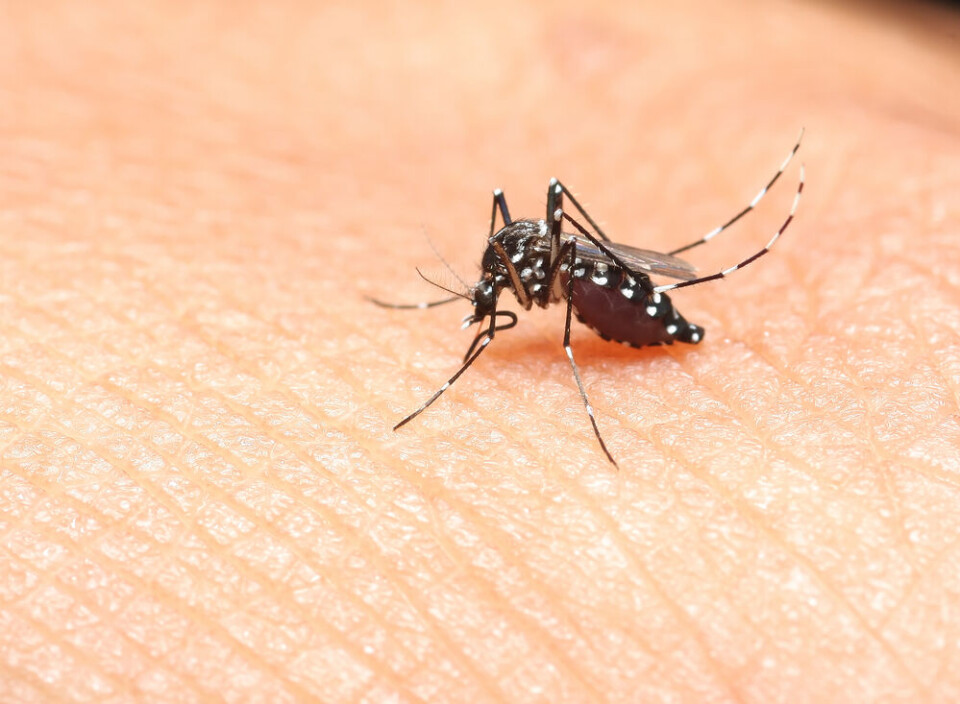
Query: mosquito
point(606, 285)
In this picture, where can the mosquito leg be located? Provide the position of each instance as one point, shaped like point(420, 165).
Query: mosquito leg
point(484, 341)
point(756, 199)
point(569, 253)
point(516, 283)
point(576, 204)
point(554, 218)
point(640, 277)
point(483, 333)
point(499, 202)
point(753, 257)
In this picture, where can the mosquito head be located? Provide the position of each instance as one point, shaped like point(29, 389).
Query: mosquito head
point(484, 296)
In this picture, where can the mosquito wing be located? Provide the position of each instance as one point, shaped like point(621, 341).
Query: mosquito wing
point(643, 260)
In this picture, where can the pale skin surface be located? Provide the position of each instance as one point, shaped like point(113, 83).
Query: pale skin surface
point(201, 497)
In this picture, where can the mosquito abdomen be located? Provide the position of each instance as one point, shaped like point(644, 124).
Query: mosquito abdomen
point(617, 308)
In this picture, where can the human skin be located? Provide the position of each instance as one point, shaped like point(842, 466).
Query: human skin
point(201, 497)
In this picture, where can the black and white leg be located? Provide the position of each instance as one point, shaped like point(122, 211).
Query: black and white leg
point(568, 256)
point(556, 214)
point(556, 186)
point(484, 340)
point(516, 282)
point(554, 218)
point(642, 278)
point(753, 204)
point(753, 257)
point(499, 202)
point(483, 333)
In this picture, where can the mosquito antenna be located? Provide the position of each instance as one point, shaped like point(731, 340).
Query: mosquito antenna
point(441, 258)
point(442, 287)
point(455, 295)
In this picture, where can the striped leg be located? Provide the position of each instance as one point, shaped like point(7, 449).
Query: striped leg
point(640, 277)
point(748, 260)
point(499, 201)
point(569, 253)
point(554, 219)
point(485, 340)
point(555, 215)
point(483, 333)
point(557, 187)
point(716, 231)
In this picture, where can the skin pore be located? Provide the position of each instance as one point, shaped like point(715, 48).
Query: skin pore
point(201, 497)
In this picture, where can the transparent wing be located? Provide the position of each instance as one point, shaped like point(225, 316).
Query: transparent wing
point(643, 260)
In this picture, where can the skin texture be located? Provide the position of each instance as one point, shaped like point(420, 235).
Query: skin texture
point(201, 497)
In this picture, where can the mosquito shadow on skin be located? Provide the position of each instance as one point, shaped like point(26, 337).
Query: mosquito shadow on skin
point(587, 348)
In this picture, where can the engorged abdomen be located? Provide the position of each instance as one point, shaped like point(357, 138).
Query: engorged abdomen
point(626, 314)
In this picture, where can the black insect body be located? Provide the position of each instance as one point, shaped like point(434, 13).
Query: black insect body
point(614, 305)
point(614, 302)
point(607, 285)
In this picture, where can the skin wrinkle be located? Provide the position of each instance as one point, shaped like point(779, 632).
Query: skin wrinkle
point(546, 641)
point(896, 513)
point(839, 421)
point(580, 678)
point(84, 507)
point(464, 509)
point(877, 451)
point(928, 351)
point(675, 609)
point(464, 663)
point(541, 587)
point(810, 568)
point(74, 650)
point(917, 577)
point(282, 595)
point(288, 597)
point(558, 654)
point(756, 520)
point(70, 590)
point(250, 656)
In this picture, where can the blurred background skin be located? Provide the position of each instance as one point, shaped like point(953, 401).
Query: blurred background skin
point(201, 498)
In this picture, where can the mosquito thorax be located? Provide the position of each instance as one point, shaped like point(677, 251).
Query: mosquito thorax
point(526, 246)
